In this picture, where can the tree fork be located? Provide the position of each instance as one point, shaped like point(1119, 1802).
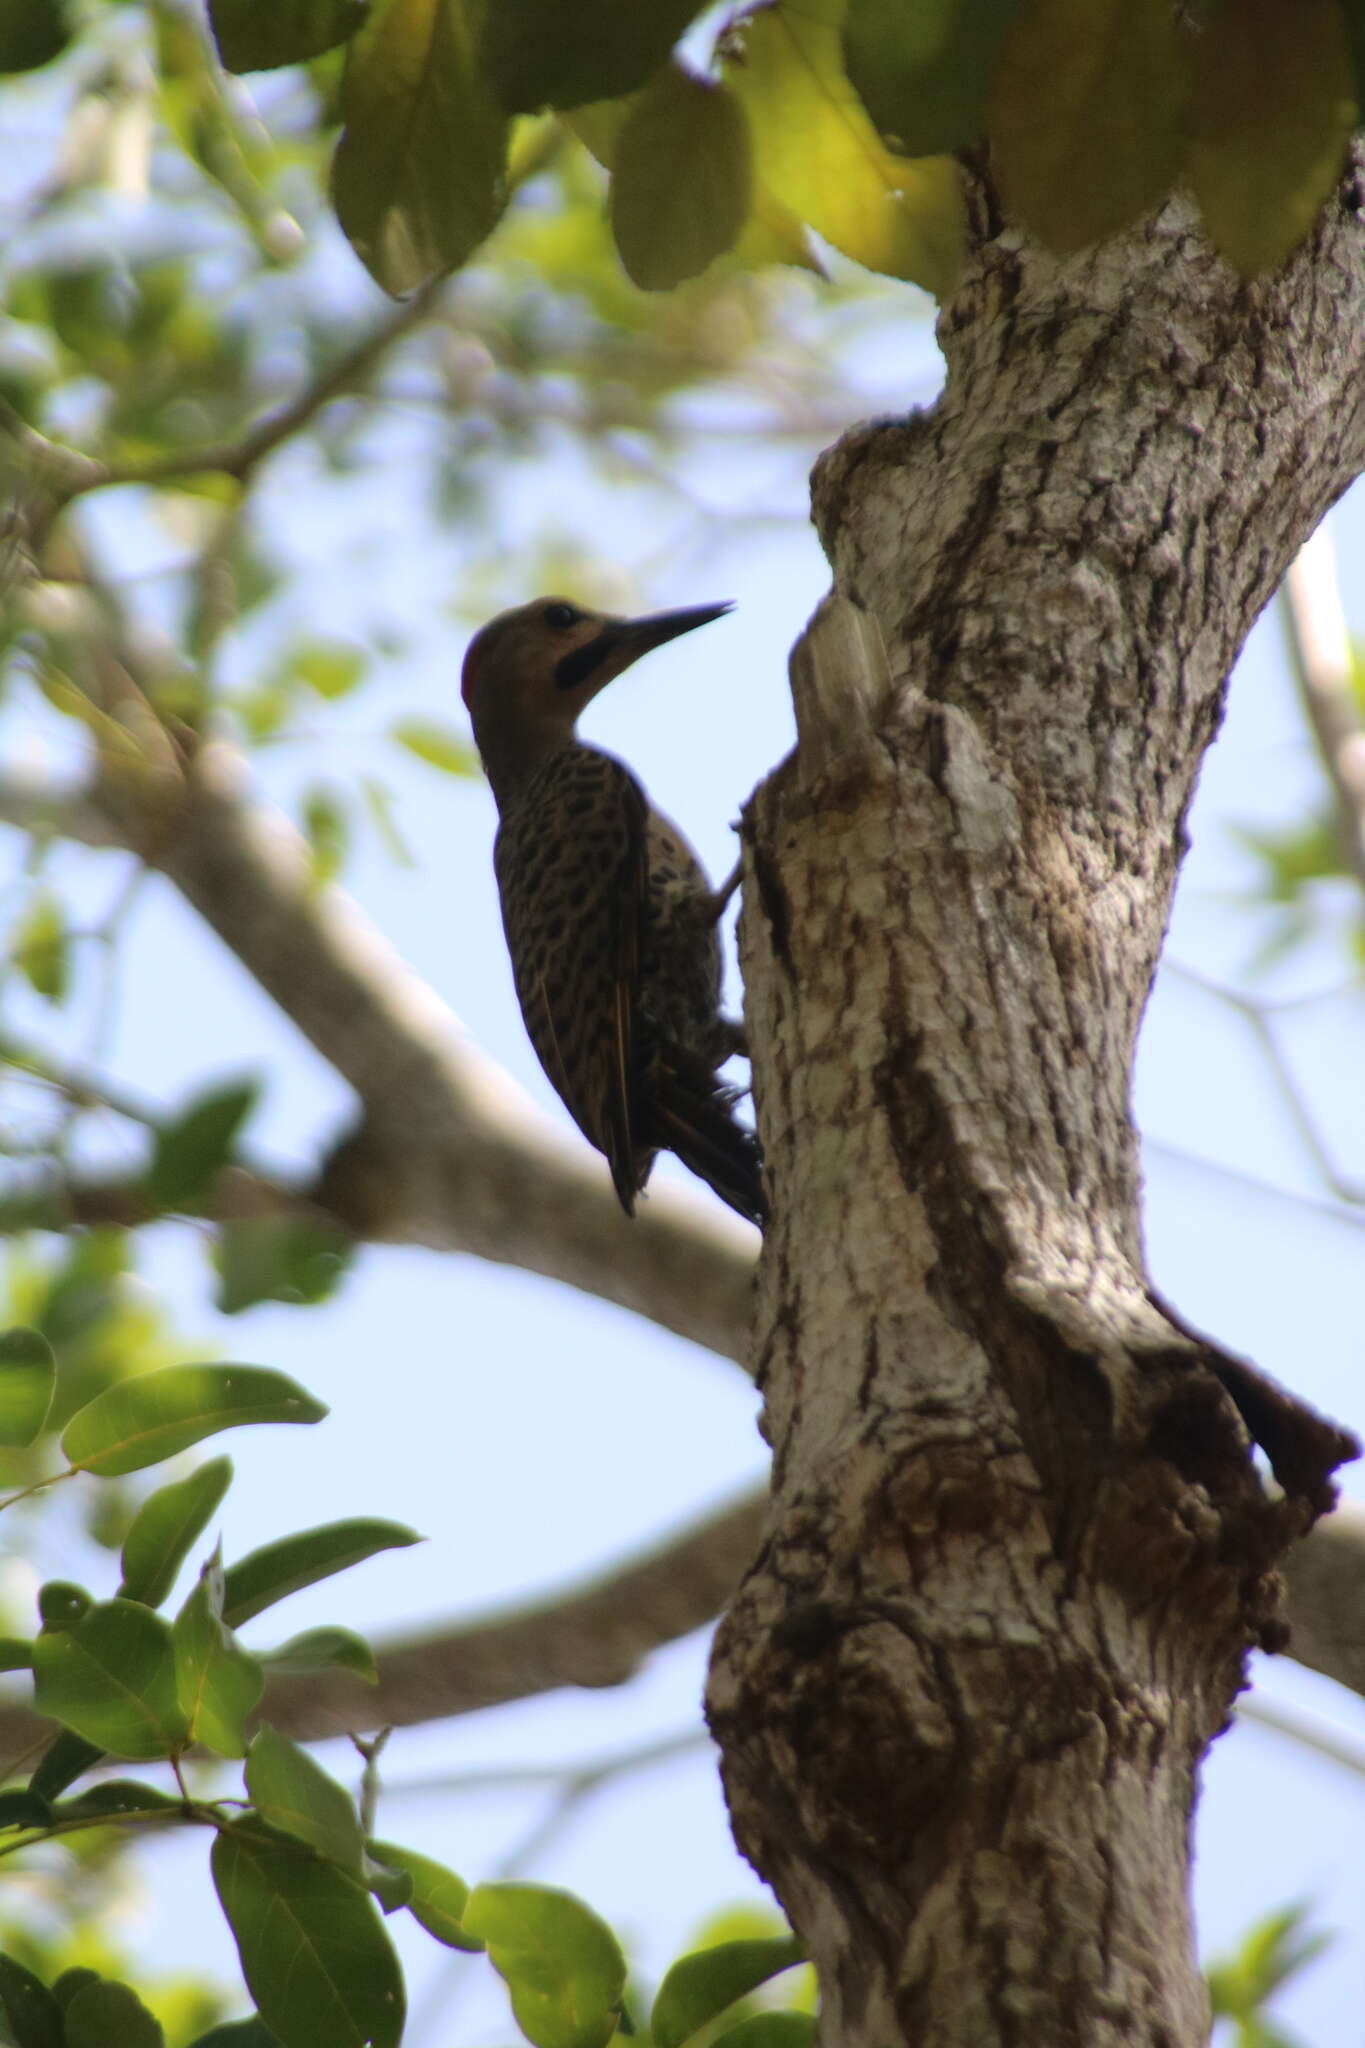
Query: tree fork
point(1018, 1548)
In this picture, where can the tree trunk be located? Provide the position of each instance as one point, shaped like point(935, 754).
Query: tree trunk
point(1018, 1547)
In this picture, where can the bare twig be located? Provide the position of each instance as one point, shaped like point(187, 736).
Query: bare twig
point(1320, 654)
point(1257, 1017)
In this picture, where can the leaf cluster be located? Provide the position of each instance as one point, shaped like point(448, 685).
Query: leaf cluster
point(830, 115)
point(303, 1884)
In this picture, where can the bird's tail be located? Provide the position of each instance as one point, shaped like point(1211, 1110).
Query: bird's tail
point(693, 1115)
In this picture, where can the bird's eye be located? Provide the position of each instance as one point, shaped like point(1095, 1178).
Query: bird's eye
point(562, 616)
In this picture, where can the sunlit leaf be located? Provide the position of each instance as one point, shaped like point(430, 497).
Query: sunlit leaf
point(257, 35)
point(770, 2030)
point(313, 1948)
point(418, 178)
point(292, 1793)
point(438, 1897)
point(41, 948)
point(543, 53)
point(683, 179)
point(32, 32)
point(1086, 114)
point(150, 1417)
point(924, 73)
point(191, 1148)
point(165, 1528)
point(107, 2015)
point(217, 1681)
point(816, 149)
point(563, 1966)
point(436, 743)
point(325, 1649)
point(1272, 110)
point(699, 1987)
point(111, 1679)
point(327, 830)
point(28, 1374)
point(279, 1258)
point(277, 1569)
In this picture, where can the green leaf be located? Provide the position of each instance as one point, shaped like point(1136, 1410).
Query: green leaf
point(28, 1374)
point(252, 2033)
point(33, 2013)
point(258, 35)
point(418, 179)
point(277, 1569)
point(63, 1761)
point(62, 1604)
point(1087, 113)
point(292, 1793)
point(118, 1795)
point(107, 2015)
point(542, 53)
point(683, 181)
point(1273, 108)
point(313, 1948)
point(563, 1966)
point(328, 832)
point(438, 1897)
point(770, 2030)
point(279, 1258)
point(330, 668)
point(378, 800)
point(23, 1808)
point(817, 151)
point(392, 1888)
point(192, 1148)
point(924, 73)
point(217, 1681)
point(165, 1528)
point(143, 1420)
point(70, 1982)
point(32, 32)
point(111, 1679)
point(16, 1653)
point(698, 1988)
point(40, 947)
point(436, 743)
point(325, 1649)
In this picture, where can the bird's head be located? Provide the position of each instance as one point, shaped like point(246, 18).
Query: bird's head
point(529, 673)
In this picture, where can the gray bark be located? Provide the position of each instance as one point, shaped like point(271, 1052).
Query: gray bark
point(1018, 1548)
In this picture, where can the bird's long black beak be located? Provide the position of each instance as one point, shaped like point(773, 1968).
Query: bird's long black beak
point(622, 642)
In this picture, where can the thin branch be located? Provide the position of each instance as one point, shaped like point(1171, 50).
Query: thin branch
point(1255, 1014)
point(1320, 654)
point(66, 474)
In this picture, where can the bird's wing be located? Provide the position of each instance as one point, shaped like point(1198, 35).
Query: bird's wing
point(572, 874)
point(628, 897)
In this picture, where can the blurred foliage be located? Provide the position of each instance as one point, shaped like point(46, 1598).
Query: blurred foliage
point(1241, 1987)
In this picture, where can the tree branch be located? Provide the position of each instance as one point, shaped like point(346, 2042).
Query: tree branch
point(596, 1634)
point(448, 1153)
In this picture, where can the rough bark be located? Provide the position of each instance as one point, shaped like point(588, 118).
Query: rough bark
point(1018, 1547)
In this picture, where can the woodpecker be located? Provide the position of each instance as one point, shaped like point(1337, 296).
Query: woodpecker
point(610, 919)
